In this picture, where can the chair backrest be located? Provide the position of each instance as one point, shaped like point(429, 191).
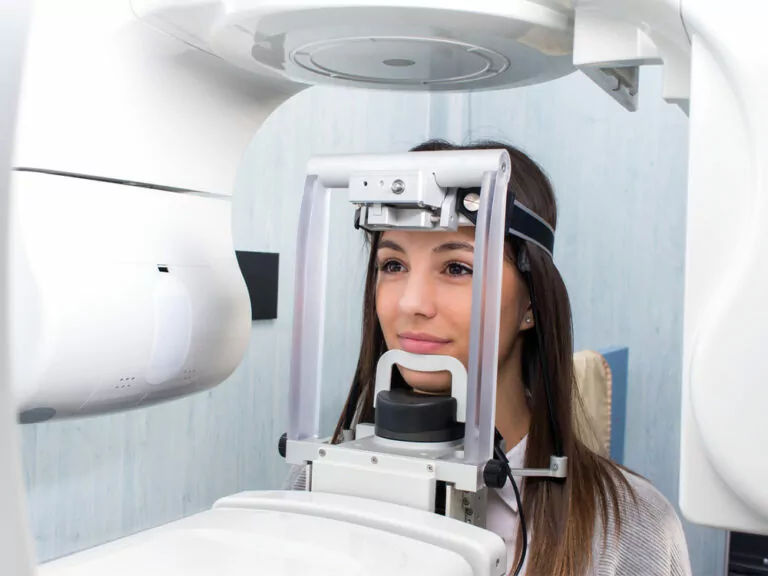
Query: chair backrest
point(601, 378)
point(592, 414)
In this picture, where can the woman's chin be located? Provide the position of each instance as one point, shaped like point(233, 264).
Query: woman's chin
point(427, 382)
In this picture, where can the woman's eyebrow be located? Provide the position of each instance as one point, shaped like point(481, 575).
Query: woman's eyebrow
point(451, 246)
point(391, 245)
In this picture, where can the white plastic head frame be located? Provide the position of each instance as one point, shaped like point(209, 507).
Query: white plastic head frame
point(448, 170)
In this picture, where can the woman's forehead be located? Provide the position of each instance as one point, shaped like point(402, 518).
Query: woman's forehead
point(421, 239)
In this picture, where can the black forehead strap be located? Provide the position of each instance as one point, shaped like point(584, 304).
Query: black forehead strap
point(521, 221)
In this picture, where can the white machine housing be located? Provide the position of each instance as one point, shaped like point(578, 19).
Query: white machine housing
point(173, 105)
point(297, 533)
point(121, 296)
point(125, 288)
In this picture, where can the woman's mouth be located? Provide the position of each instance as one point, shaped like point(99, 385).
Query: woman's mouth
point(420, 343)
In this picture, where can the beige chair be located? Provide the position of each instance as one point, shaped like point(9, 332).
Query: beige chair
point(593, 414)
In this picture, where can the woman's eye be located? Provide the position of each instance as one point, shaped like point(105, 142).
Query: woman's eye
point(457, 269)
point(391, 267)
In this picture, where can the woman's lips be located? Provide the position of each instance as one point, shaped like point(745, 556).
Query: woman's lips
point(417, 343)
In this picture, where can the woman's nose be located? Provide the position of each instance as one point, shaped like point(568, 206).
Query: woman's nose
point(418, 297)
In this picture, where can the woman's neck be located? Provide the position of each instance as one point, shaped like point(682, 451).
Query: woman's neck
point(513, 416)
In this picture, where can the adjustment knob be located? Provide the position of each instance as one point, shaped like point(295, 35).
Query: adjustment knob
point(495, 474)
point(282, 445)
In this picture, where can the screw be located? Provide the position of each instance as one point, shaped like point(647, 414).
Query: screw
point(374, 460)
point(321, 452)
point(472, 202)
point(555, 467)
point(430, 468)
point(503, 166)
point(398, 186)
point(470, 512)
point(465, 502)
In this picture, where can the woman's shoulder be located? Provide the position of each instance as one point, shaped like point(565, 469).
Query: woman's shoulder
point(647, 538)
point(648, 502)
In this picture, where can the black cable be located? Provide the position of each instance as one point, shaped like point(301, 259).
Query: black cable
point(503, 457)
point(524, 265)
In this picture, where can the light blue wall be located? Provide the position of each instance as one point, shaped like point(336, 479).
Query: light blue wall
point(620, 179)
point(621, 185)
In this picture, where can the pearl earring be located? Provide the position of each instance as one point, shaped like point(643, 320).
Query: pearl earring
point(528, 320)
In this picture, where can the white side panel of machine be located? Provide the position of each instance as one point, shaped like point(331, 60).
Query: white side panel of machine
point(415, 489)
point(239, 541)
point(121, 296)
point(724, 425)
point(104, 94)
point(16, 556)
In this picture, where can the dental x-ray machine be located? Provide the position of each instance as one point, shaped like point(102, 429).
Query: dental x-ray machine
point(124, 289)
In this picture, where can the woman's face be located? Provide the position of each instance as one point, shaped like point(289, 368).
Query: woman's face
point(424, 299)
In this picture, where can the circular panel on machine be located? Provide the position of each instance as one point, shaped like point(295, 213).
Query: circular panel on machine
point(407, 62)
point(387, 45)
point(418, 46)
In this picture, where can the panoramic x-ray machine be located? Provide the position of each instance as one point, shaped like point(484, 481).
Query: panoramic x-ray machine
point(131, 118)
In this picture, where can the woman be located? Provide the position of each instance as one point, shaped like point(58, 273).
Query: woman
point(599, 520)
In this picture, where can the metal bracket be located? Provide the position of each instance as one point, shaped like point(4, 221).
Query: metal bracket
point(621, 84)
point(558, 468)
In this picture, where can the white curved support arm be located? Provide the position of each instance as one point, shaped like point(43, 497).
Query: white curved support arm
point(424, 363)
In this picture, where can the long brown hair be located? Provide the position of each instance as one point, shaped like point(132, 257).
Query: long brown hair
point(562, 513)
